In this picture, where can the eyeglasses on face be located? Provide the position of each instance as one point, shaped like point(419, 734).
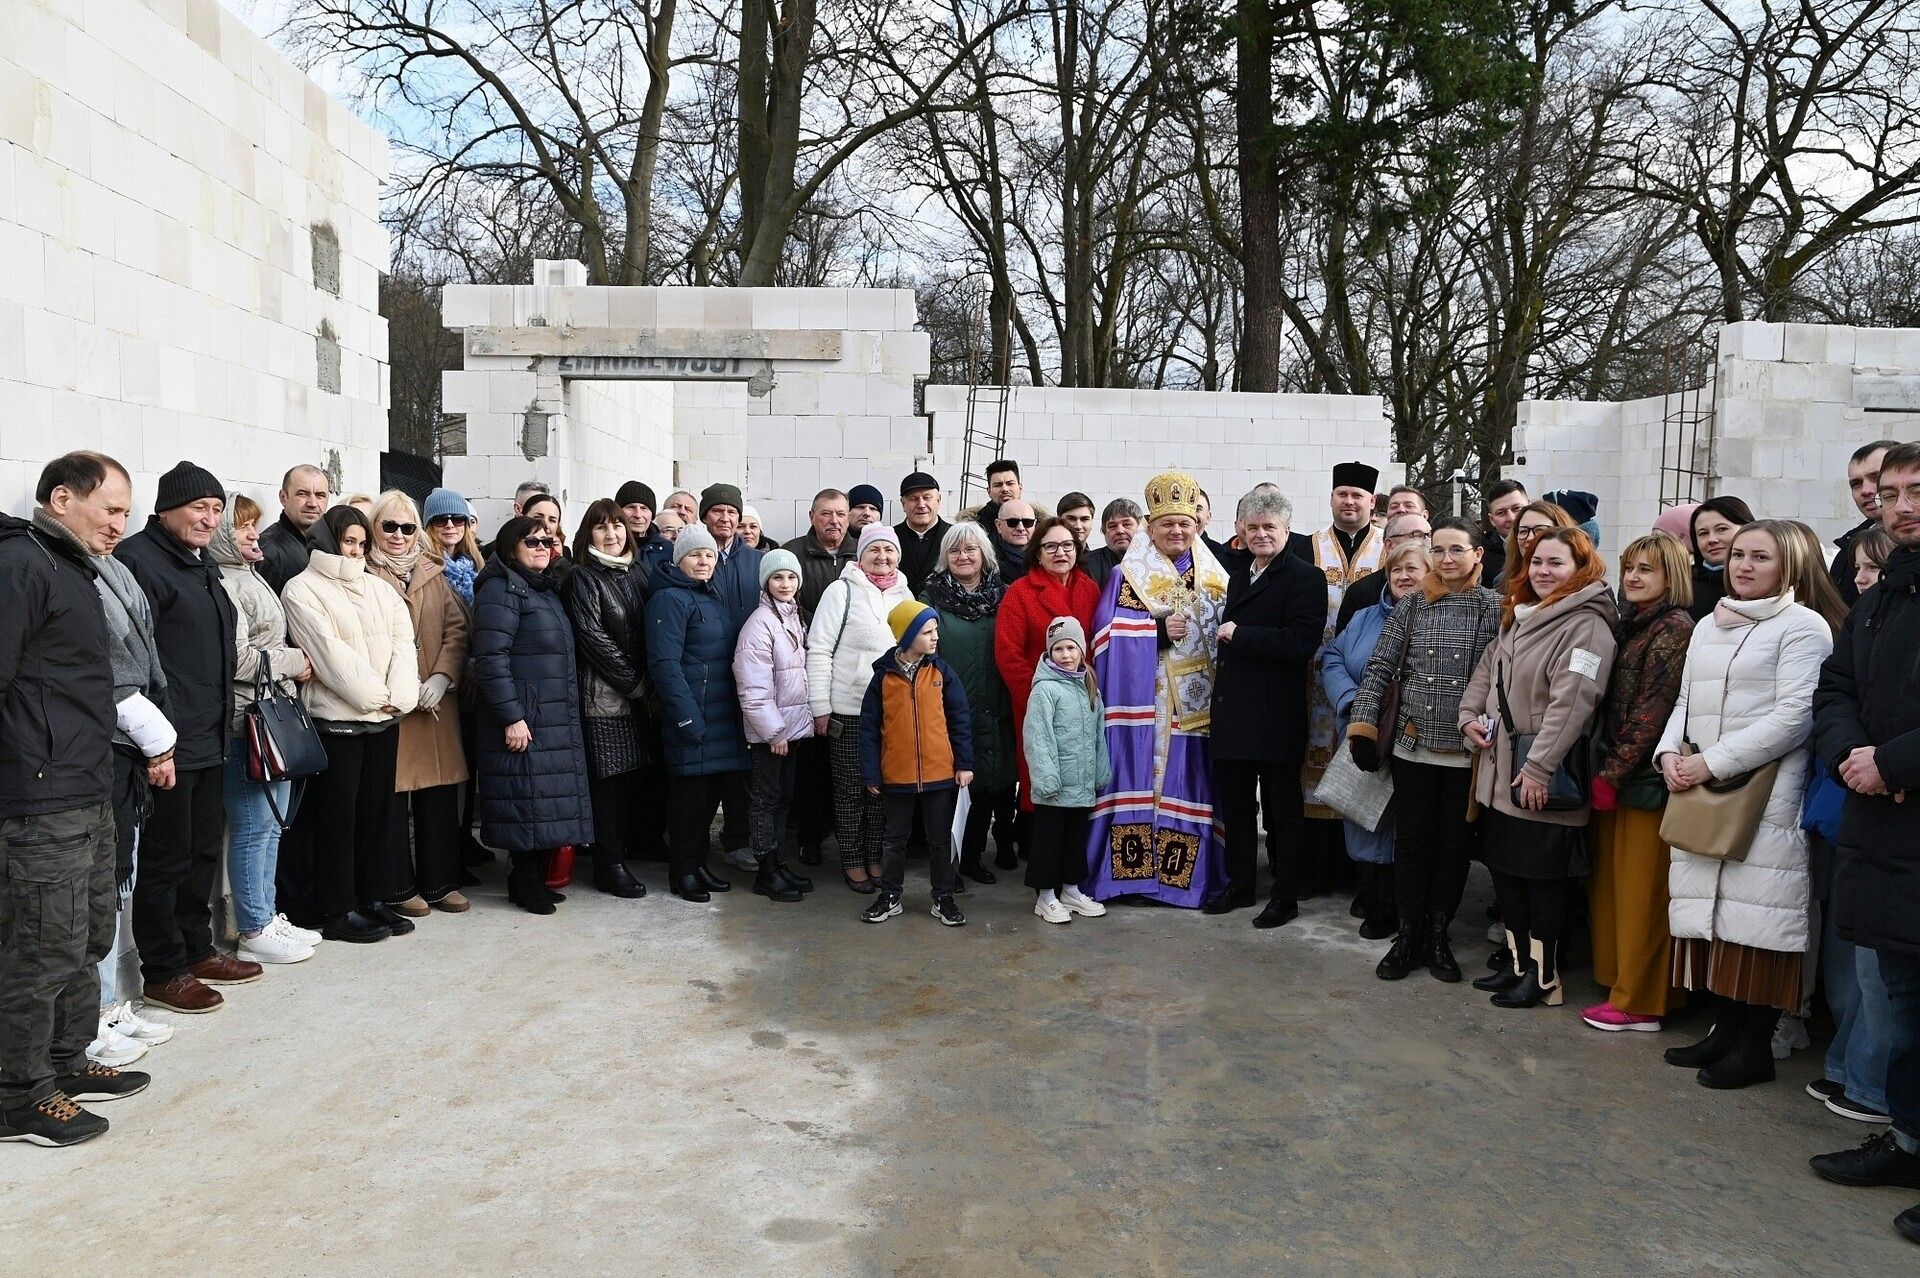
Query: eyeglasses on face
point(538, 543)
point(395, 526)
point(1019, 523)
point(1057, 547)
point(441, 521)
point(1531, 531)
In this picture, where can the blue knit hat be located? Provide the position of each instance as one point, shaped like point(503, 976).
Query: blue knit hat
point(443, 501)
point(777, 561)
point(866, 495)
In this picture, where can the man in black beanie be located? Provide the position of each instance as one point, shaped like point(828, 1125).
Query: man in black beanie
point(193, 621)
point(636, 504)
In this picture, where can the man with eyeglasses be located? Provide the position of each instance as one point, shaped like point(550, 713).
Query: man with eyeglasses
point(288, 545)
point(1867, 729)
point(1365, 593)
point(1012, 530)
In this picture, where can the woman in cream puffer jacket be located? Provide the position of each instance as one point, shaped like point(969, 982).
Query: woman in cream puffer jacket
point(1740, 928)
point(356, 630)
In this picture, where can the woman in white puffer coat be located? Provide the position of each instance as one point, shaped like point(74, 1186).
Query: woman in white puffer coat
point(849, 632)
point(356, 630)
point(1740, 927)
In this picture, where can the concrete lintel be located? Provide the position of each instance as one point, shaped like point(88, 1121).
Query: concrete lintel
point(664, 343)
point(1887, 392)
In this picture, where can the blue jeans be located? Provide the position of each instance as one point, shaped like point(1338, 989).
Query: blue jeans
point(253, 842)
point(1857, 1060)
point(1900, 970)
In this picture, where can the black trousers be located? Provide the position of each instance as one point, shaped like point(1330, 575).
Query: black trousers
point(995, 809)
point(1432, 842)
point(650, 786)
point(1057, 857)
point(934, 809)
point(355, 860)
point(432, 817)
point(770, 789)
point(1250, 788)
point(613, 807)
point(59, 908)
point(860, 820)
point(736, 812)
point(179, 862)
point(812, 791)
point(690, 808)
point(1535, 908)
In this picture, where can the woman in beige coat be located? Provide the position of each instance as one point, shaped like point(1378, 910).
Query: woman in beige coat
point(1543, 679)
point(357, 634)
point(432, 764)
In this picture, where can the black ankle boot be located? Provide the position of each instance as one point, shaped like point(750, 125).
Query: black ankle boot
point(798, 882)
point(1408, 952)
point(689, 888)
point(1508, 974)
point(768, 883)
point(527, 884)
point(1539, 982)
point(1363, 877)
point(615, 879)
point(1717, 1043)
point(1750, 1060)
point(711, 881)
point(1441, 964)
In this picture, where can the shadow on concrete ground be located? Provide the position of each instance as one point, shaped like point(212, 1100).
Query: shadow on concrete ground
point(656, 1087)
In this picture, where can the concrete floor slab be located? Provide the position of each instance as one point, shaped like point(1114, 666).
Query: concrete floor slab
point(746, 1088)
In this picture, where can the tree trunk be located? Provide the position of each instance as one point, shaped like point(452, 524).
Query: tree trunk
point(755, 145)
point(1258, 367)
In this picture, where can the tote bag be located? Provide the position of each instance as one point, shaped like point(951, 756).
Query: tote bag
point(1719, 818)
point(1358, 795)
point(282, 743)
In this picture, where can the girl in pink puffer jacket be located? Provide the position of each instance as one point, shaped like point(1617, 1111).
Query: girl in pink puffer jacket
point(770, 668)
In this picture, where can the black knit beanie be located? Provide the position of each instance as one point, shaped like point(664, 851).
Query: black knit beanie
point(185, 483)
point(633, 490)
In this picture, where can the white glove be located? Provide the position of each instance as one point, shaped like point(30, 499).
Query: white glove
point(432, 689)
point(143, 723)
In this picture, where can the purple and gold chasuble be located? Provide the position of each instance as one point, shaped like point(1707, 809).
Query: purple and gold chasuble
point(1153, 831)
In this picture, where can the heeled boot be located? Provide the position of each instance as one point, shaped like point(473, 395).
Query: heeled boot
point(1717, 1043)
point(1409, 951)
point(1508, 974)
point(1750, 1060)
point(527, 883)
point(1441, 964)
point(1540, 983)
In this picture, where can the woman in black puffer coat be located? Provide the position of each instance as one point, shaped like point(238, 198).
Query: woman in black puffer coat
point(533, 768)
point(606, 596)
point(690, 638)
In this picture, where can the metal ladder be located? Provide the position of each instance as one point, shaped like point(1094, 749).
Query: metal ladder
point(984, 442)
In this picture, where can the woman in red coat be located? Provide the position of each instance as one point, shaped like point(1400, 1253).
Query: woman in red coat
point(1052, 587)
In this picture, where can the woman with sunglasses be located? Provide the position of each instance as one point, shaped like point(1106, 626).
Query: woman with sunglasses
point(1713, 524)
point(533, 766)
point(357, 633)
point(544, 508)
point(1049, 588)
point(432, 764)
point(450, 539)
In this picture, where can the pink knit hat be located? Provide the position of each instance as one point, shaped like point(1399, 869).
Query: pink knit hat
point(1677, 522)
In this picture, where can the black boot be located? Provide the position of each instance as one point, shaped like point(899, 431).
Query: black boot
point(798, 882)
point(1508, 975)
point(711, 881)
point(1750, 1060)
point(527, 883)
point(1539, 982)
point(688, 887)
point(978, 872)
point(1408, 952)
point(1502, 957)
point(1380, 922)
point(615, 879)
point(1717, 1043)
point(1362, 906)
point(810, 854)
point(768, 882)
point(1441, 964)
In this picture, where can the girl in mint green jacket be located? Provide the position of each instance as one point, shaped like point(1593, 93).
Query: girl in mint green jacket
point(1066, 747)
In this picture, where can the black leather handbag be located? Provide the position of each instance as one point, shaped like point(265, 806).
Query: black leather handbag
point(1572, 780)
point(282, 743)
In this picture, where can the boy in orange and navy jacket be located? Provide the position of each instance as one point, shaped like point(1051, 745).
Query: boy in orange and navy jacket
point(916, 751)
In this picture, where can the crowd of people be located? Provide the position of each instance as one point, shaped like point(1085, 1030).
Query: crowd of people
point(1122, 699)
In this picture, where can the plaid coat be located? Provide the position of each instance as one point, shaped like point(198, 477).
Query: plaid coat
point(1443, 639)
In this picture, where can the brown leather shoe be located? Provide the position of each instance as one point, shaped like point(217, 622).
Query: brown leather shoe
point(452, 903)
point(183, 994)
point(224, 969)
point(414, 907)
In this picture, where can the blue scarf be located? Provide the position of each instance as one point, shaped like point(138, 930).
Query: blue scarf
point(460, 575)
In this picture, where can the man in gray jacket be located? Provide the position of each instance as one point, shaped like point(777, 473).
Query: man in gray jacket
point(57, 718)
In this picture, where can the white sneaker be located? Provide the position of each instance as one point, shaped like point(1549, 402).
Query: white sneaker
point(1789, 1036)
point(1080, 903)
point(123, 1021)
point(285, 927)
point(743, 859)
point(1052, 911)
point(114, 1049)
point(274, 947)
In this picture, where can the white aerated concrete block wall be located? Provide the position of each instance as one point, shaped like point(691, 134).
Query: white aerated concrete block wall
point(615, 431)
point(1791, 403)
point(1109, 443)
point(161, 169)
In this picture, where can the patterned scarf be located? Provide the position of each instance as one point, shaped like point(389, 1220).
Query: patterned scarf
point(944, 591)
point(460, 575)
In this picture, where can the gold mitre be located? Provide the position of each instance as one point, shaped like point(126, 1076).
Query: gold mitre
point(1173, 492)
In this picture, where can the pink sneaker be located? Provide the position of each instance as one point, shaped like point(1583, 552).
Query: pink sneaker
point(1605, 1016)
